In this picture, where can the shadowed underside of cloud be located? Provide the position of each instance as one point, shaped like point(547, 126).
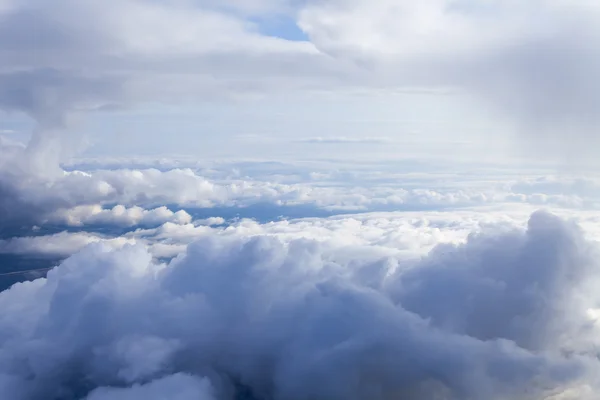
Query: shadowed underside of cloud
point(505, 315)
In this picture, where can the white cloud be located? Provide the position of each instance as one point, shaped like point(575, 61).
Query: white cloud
point(509, 53)
point(429, 27)
point(58, 244)
point(168, 50)
point(555, 185)
point(146, 196)
point(400, 234)
point(118, 215)
point(185, 187)
point(298, 317)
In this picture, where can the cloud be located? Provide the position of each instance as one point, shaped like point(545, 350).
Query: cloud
point(278, 318)
point(556, 185)
point(343, 308)
point(533, 61)
point(522, 297)
point(9, 147)
point(342, 139)
point(114, 59)
point(509, 55)
point(93, 56)
point(118, 215)
point(78, 198)
point(389, 233)
point(61, 244)
point(405, 234)
point(176, 387)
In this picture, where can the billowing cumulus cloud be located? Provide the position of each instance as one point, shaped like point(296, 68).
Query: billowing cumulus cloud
point(266, 317)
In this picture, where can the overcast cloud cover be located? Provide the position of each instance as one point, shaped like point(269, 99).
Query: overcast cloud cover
point(293, 200)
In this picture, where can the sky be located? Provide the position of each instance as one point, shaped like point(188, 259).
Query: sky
point(299, 199)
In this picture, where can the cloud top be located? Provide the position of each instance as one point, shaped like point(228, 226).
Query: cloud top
point(295, 319)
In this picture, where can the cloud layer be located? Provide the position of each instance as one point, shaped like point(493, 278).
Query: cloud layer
point(296, 319)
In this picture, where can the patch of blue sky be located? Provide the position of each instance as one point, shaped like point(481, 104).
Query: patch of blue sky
point(282, 26)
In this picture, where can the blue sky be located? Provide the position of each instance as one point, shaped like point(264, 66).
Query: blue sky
point(284, 27)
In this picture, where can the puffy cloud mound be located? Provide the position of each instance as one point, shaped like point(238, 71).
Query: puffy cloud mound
point(119, 215)
point(262, 316)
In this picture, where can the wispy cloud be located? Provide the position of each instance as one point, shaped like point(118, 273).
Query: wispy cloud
point(346, 139)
